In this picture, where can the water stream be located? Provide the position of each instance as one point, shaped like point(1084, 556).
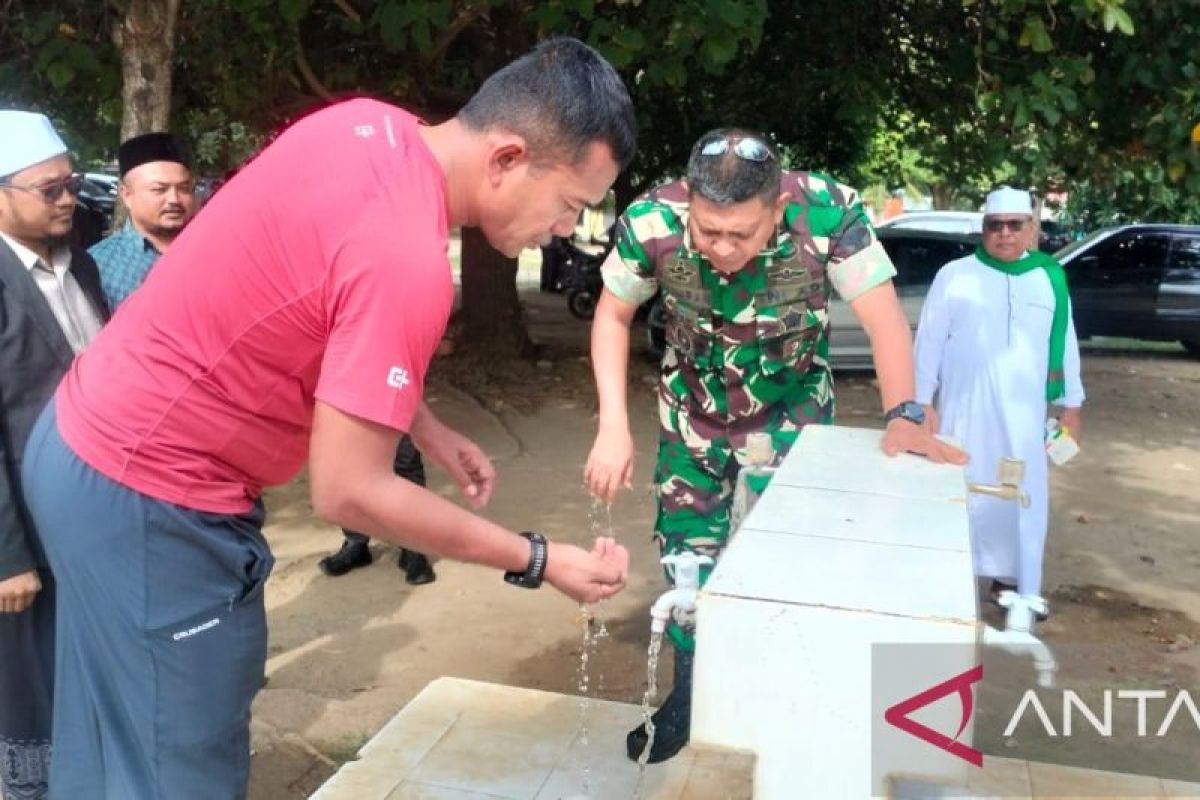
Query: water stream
point(648, 698)
point(584, 688)
point(595, 628)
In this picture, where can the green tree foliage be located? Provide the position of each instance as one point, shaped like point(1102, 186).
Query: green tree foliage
point(58, 58)
point(1043, 93)
point(1099, 96)
point(1052, 94)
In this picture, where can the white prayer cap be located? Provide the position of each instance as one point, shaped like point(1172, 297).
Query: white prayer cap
point(1007, 200)
point(28, 139)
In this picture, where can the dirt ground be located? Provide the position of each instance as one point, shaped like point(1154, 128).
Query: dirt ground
point(346, 654)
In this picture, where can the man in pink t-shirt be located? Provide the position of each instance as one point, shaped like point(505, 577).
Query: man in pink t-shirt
point(294, 319)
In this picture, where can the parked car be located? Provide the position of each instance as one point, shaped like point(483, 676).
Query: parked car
point(917, 254)
point(94, 211)
point(1051, 235)
point(945, 221)
point(105, 180)
point(98, 195)
point(1137, 281)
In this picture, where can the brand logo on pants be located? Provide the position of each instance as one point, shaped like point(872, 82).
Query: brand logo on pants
point(898, 715)
point(192, 631)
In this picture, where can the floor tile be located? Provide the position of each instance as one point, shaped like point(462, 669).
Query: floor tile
point(715, 781)
point(1061, 782)
point(491, 761)
point(1000, 777)
point(361, 780)
point(1179, 789)
point(402, 746)
point(618, 781)
point(424, 791)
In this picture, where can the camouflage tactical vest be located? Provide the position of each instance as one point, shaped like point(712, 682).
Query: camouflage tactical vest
point(782, 325)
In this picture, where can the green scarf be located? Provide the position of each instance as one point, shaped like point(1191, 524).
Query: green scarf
point(1056, 386)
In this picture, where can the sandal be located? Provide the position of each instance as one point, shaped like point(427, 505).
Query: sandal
point(997, 587)
point(1036, 604)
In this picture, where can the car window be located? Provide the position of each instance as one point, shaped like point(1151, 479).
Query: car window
point(918, 259)
point(1185, 253)
point(931, 256)
point(900, 252)
point(1131, 258)
point(1081, 244)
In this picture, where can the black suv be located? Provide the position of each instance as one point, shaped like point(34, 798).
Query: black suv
point(1137, 281)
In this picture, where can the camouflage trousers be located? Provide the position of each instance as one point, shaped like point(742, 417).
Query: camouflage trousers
point(695, 474)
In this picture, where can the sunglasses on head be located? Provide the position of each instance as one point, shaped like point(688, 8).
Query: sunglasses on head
point(746, 148)
point(997, 225)
point(50, 191)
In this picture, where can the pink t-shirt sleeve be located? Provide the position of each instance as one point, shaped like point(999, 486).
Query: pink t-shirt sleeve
point(387, 306)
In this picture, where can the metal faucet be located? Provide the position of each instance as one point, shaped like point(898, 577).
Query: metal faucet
point(1010, 471)
point(760, 451)
point(1017, 636)
point(683, 595)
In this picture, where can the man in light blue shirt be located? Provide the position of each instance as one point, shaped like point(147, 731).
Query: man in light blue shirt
point(157, 189)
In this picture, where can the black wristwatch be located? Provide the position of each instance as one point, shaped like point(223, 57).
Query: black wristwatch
point(531, 578)
point(908, 410)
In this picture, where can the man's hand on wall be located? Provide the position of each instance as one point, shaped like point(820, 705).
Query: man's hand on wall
point(903, 436)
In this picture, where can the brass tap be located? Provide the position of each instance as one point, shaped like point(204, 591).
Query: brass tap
point(1010, 472)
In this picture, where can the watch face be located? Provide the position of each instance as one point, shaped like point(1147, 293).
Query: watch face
point(908, 410)
point(914, 412)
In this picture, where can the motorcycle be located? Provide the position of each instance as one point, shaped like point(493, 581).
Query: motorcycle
point(582, 280)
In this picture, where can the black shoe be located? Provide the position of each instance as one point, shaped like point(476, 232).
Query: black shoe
point(672, 721)
point(352, 555)
point(417, 569)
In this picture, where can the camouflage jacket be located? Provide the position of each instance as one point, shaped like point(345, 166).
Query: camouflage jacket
point(742, 342)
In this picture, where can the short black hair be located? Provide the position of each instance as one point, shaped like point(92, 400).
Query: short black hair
point(725, 178)
point(561, 97)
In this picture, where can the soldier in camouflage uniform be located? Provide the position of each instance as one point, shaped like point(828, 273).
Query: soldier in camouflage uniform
point(746, 257)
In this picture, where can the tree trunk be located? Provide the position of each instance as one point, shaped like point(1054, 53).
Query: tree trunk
point(145, 38)
point(942, 195)
point(492, 322)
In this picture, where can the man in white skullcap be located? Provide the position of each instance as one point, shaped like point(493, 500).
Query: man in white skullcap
point(52, 306)
point(995, 345)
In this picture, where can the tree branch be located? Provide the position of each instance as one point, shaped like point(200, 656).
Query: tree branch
point(309, 76)
point(348, 10)
point(465, 17)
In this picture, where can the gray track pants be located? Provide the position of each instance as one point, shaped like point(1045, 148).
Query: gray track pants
point(161, 639)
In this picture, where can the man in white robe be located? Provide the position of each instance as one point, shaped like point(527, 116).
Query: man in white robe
point(990, 354)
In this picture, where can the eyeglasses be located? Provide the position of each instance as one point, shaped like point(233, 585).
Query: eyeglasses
point(53, 190)
point(997, 225)
point(746, 148)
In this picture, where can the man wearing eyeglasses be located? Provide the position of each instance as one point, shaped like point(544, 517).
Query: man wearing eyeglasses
point(51, 306)
point(158, 190)
point(995, 345)
point(746, 256)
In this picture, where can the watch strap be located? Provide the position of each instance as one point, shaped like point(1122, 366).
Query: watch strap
point(531, 578)
point(909, 411)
